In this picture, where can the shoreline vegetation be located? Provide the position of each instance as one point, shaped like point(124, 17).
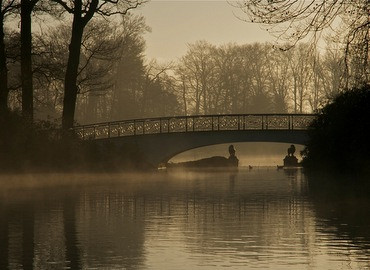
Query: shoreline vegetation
point(339, 137)
point(44, 147)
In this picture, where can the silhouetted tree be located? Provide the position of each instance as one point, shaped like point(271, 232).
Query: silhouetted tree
point(301, 75)
point(129, 72)
point(338, 138)
point(27, 7)
point(251, 78)
point(82, 12)
point(225, 92)
point(333, 67)
point(293, 21)
point(316, 93)
point(199, 67)
point(260, 101)
point(7, 6)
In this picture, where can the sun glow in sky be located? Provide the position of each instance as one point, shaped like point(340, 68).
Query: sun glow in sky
point(175, 24)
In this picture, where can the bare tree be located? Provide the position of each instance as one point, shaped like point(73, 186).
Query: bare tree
point(27, 6)
point(198, 67)
point(225, 94)
point(260, 102)
point(279, 78)
point(101, 49)
point(295, 20)
point(130, 70)
point(82, 12)
point(7, 6)
point(316, 95)
point(333, 68)
point(301, 74)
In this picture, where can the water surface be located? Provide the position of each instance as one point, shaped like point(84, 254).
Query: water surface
point(253, 219)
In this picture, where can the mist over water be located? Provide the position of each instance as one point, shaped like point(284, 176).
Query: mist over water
point(250, 219)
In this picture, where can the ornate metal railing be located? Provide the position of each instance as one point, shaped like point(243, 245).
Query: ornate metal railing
point(195, 124)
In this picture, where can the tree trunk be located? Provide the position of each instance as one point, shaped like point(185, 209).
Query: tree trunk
point(26, 61)
point(184, 96)
point(4, 91)
point(70, 83)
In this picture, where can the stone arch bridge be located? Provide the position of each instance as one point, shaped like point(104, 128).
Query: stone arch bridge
point(160, 139)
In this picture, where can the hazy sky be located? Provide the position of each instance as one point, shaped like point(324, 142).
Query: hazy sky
point(176, 23)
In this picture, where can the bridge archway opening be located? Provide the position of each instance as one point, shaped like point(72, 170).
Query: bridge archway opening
point(249, 153)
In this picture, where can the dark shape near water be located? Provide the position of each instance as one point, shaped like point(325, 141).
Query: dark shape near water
point(211, 162)
point(290, 161)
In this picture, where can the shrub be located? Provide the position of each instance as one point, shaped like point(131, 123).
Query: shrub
point(339, 136)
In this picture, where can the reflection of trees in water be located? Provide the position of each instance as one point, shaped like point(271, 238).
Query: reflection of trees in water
point(16, 252)
point(26, 231)
point(232, 214)
point(53, 232)
point(4, 236)
point(345, 211)
point(112, 229)
point(249, 224)
point(28, 227)
point(70, 232)
point(105, 226)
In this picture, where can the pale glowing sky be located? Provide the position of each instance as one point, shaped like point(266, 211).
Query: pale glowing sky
point(176, 23)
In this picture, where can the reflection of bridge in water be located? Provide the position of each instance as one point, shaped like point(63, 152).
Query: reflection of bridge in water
point(159, 139)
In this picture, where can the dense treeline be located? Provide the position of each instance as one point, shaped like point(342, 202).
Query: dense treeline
point(339, 137)
point(20, 51)
point(43, 70)
point(208, 79)
point(109, 78)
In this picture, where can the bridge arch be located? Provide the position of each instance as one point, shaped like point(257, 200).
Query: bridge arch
point(158, 149)
point(160, 139)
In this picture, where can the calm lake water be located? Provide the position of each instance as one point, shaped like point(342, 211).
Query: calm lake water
point(253, 219)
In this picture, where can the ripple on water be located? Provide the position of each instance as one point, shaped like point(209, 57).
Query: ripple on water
point(260, 219)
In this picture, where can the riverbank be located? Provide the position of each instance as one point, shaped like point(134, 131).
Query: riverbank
point(339, 137)
point(43, 147)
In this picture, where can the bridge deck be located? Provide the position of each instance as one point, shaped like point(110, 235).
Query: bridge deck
point(196, 123)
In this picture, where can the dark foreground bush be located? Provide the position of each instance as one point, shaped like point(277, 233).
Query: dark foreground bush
point(43, 146)
point(339, 139)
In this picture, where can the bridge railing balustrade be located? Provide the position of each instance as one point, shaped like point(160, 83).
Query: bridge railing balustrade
point(301, 122)
point(277, 122)
point(252, 122)
point(195, 124)
point(177, 125)
point(202, 123)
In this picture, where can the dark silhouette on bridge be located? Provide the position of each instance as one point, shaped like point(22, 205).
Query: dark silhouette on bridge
point(159, 139)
